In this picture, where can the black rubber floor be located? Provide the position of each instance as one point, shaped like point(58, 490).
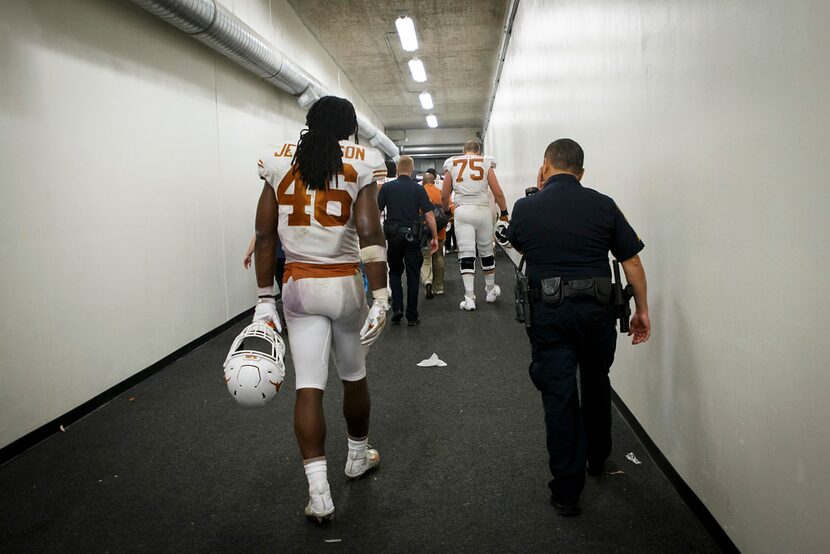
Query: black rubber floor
point(175, 465)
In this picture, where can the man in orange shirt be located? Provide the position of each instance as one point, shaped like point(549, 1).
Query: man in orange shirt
point(432, 270)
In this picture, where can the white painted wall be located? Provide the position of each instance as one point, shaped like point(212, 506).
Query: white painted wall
point(128, 169)
point(708, 121)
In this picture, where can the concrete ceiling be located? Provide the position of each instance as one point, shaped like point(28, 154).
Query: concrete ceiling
point(458, 43)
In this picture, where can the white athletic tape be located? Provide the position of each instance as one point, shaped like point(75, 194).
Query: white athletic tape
point(266, 291)
point(373, 253)
point(381, 295)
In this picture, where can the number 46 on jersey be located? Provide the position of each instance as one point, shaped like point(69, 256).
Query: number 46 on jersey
point(332, 206)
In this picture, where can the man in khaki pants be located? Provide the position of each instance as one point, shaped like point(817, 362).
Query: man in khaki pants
point(432, 270)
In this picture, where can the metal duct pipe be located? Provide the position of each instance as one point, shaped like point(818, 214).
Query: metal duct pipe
point(376, 137)
point(453, 149)
point(211, 23)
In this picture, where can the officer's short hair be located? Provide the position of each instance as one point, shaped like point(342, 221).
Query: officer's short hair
point(428, 177)
point(472, 146)
point(565, 154)
point(405, 165)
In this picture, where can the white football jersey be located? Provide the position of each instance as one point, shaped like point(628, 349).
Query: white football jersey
point(469, 178)
point(317, 226)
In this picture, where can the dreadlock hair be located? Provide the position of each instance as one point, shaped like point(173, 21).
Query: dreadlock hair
point(318, 157)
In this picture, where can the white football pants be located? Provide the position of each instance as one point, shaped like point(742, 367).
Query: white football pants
point(321, 313)
point(474, 227)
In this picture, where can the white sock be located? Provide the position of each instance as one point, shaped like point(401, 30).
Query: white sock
point(315, 472)
point(469, 280)
point(489, 281)
point(357, 447)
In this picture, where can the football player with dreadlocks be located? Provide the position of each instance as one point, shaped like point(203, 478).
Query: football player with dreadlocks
point(320, 193)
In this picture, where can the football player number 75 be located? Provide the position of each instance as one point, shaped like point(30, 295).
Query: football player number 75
point(299, 200)
point(477, 170)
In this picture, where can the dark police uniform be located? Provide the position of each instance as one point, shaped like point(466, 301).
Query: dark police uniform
point(566, 231)
point(404, 199)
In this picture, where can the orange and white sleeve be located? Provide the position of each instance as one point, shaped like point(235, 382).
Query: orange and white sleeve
point(447, 167)
point(267, 167)
point(375, 168)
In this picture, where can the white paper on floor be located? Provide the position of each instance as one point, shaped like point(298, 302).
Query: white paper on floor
point(632, 458)
point(432, 361)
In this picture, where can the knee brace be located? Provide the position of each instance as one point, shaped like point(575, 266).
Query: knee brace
point(488, 263)
point(468, 265)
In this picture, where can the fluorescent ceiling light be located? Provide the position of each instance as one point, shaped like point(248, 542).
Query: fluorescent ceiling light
point(406, 30)
point(416, 67)
point(426, 100)
point(432, 121)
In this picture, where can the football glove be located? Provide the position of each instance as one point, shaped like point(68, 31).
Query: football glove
point(376, 320)
point(266, 309)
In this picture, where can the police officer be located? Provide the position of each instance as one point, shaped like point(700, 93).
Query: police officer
point(565, 233)
point(404, 199)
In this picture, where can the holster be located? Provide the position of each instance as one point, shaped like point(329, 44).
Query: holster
point(522, 299)
point(522, 296)
point(620, 296)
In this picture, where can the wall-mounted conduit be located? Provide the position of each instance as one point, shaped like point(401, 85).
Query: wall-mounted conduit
point(213, 24)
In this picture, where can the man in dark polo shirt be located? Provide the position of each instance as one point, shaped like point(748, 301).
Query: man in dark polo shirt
point(404, 200)
point(565, 233)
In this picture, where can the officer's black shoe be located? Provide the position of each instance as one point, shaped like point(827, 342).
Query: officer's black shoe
point(595, 470)
point(429, 294)
point(565, 510)
point(397, 317)
point(413, 322)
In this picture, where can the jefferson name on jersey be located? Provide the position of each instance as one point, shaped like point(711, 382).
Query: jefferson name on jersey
point(316, 226)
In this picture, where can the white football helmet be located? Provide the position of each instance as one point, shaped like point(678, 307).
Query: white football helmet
point(501, 233)
point(253, 377)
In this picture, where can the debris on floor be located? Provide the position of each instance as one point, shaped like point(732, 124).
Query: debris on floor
point(432, 361)
point(618, 472)
point(632, 458)
point(62, 429)
point(334, 540)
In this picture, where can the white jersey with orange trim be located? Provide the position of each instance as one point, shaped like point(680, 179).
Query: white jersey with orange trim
point(469, 178)
point(317, 226)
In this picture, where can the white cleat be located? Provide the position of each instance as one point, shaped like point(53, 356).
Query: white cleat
point(320, 506)
point(493, 294)
point(358, 466)
point(469, 303)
